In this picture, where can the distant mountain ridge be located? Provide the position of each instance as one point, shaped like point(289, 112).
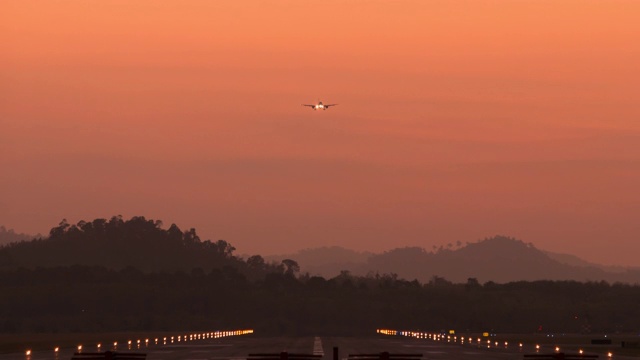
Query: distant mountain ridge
point(499, 259)
point(8, 236)
point(145, 245)
point(327, 261)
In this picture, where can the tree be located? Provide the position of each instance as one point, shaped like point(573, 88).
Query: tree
point(291, 267)
point(256, 262)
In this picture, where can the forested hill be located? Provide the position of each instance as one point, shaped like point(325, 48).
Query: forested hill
point(498, 259)
point(138, 242)
point(145, 245)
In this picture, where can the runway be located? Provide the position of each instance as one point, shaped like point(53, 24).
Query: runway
point(239, 347)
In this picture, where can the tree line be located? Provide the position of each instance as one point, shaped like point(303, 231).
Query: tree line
point(94, 299)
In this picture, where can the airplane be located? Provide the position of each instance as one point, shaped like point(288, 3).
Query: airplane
point(319, 106)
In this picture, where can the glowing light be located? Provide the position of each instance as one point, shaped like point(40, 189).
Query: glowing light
point(557, 348)
point(580, 351)
point(28, 353)
point(79, 347)
point(537, 347)
point(609, 354)
point(56, 349)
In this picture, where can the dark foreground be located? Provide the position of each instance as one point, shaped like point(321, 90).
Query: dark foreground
point(238, 347)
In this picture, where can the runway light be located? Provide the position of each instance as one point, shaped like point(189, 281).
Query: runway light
point(537, 347)
point(520, 344)
point(99, 346)
point(609, 354)
point(56, 349)
point(115, 344)
point(580, 351)
point(28, 353)
point(557, 349)
point(79, 347)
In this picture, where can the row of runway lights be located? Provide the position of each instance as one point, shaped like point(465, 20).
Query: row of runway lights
point(461, 339)
point(163, 341)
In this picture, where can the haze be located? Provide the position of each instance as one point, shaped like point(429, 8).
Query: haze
point(457, 120)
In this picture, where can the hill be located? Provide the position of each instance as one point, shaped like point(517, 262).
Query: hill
point(499, 259)
point(8, 236)
point(117, 244)
point(325, 261)
point(143, 244)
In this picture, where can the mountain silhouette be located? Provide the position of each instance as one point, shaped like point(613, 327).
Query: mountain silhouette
point(498, 259)
point(8, 236)
point(327, 261)
point(143, 244)
point(117, 244)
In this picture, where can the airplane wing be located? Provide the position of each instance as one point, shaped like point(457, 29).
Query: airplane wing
point(309, 105)
point(330, 105)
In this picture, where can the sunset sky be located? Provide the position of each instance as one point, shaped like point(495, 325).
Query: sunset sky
point(458, 120)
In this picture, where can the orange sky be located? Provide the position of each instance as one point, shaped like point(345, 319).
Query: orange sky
point(457, 120)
